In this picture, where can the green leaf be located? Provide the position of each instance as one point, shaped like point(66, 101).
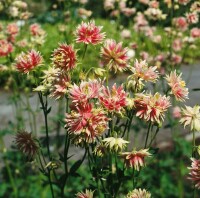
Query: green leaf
point(75, 166)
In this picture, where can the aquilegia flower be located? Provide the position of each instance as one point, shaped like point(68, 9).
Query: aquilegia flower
point(191, 116)
point(177, 86)
point(64, 57)
point(139, 193)
point(85, 91)
point(12, 29)
point(60, 85)
point(143, 71)
point(89, 33)
point(135, 159)
point(5, 48)
point(26, 143)
point(195, 172)
point(151, 107)
point(85, 123)
point(114, 56)
point(55, 81)
point(86, 194)
point(115, 144)
point(36, 30)
point(27, 62)
point(114, 99)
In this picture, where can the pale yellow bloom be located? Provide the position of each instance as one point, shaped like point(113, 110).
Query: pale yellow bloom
point(191, 116)
point(139, 193)
point(115, 144)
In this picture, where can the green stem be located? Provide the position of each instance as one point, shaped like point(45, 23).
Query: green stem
point(11, 178)
point(84, 52)
point(45, 112)
point(152, 139)
point(147, 136)
point(194, 144)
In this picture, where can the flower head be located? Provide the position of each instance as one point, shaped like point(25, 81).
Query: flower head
point(85, 123)
point(195, 32)
point(89, 33)
point(181, 23)
point(114, 99)
point(54, 81)
point(191, 116)
point(192, 17)
point(86, 194)
point(5, 48)
point(100, 150)
point(115, 144)
point(151, 107)
point(12, 29)
point(177, 86)
point(135, 159)
point(26, 143)
point(143, 71)
point(60, 85)
point(36, 30)
point(139, 193)
point(27, 62)
point(64, 57)
point(195, 172)
point(114, 56)
point(85, 91)
point(176, 113)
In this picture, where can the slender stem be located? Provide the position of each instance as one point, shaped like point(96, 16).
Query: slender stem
point(194, 144)
point(44, 108)
point(149, 127)
point(45, 112)
point(152, 139)
point(133, 175)
point(193, 155)
point(11, 178)
point(84, 52)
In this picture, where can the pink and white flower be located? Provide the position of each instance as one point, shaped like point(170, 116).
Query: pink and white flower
point(151, 107)
point(27, 62)
point(114, 56)
point(145, 72)
point(85, 123)
point(113, 100)
point(192, 17)
point(85, 91)
point(195, 32)
point(89, 33)
point(5, 48)
point(64, 57)
point(195, 172)
point(177, 86)
point(135, 159)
